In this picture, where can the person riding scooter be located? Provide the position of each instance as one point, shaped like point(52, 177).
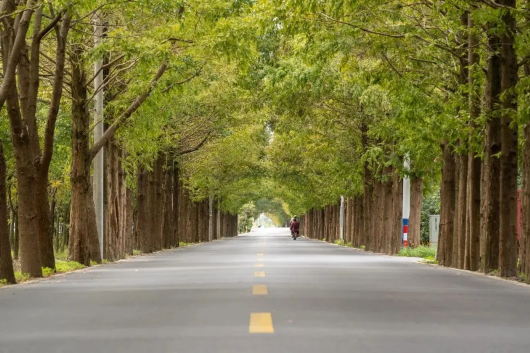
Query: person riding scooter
point(295, 228)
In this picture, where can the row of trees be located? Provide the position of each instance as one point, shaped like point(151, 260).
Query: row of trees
point(361, 87)
point(158, 68)
point(302, 101)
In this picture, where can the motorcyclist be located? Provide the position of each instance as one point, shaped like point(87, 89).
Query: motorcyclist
point(295, 228)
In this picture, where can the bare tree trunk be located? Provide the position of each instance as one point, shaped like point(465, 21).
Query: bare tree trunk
point(167, 227)
point(176, 206)
point(462, 240)
point(81, 247)
point(143, 221)
point(490, 202)
point(6, 262)
point(474, 162)
point(508, 179)
point(112, 202)
point(151, 210)
point(378, 221)
point(158, 204)
point(397, 213)
point(388, 214)
point(445, 243)
point(416, 199)
point(129, 221)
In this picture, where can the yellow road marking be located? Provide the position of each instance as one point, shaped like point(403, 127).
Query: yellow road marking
point(260, 254)
point(259, 274)
point(261, 323)
point(260, 289)
point(258, 265)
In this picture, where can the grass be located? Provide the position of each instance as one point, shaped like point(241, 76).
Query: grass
point(67, 266)
point(183, 244)
point(420, 251)
point(62, 255)
point(21, 277)
point(136, 252)
point(494, 273)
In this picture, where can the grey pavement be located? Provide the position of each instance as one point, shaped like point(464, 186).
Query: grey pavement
point(321, 298)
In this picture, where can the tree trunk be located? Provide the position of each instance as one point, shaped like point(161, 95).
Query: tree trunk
point(158, 205)
point(176, 206)
point(461, 258)
point(508, 179)
point(83, 245)
point(151, 209)
point(378, 224)
point(388, 217)
point(129, 221)
point(6, 262)
point(490, 202)
point(474, 162)
point(112, 202)
point(143, 222)
point(397, 213)
point(416, 199)
point(167, 227)
point(26, 174)
point(445, 243)
point(47, 257)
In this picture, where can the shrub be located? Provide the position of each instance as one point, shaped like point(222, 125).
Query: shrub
point(420, 251)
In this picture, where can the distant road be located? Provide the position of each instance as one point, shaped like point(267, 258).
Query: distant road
point(264, 292)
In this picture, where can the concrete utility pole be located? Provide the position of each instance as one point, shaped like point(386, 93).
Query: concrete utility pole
point(342, 218)
point(210, 219)
point(406, 203)
point(99, 129)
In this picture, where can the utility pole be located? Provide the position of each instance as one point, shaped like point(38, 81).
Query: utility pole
point(342, 218)
point(406, 203)
point(99, 129)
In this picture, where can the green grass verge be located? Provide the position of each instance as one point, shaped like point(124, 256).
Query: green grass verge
point(184, 244)
point(420, 251)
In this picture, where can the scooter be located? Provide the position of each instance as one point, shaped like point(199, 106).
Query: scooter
point(294, 235)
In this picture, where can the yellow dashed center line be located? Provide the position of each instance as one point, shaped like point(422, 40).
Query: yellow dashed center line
point(260, 254)
point(261, 323)
point(258, 265)
point(260, 289)
point(259, 274)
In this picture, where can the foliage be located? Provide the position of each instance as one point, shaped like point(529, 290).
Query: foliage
point(430, 206)
point(420, 251)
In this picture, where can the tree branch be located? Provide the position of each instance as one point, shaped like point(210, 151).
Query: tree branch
point(127, 113)
point(16, 50)
point(57, 93)
point(196, 148)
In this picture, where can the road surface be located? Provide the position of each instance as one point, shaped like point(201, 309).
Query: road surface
point(266, 293)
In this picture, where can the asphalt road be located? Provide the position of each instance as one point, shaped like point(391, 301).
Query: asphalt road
point(266, 293)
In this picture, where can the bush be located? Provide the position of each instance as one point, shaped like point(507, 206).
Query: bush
point(420, 251)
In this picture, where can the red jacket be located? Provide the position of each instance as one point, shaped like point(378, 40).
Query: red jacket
point(295, 226)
